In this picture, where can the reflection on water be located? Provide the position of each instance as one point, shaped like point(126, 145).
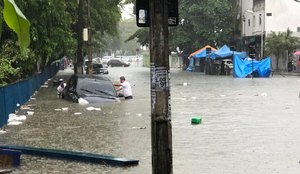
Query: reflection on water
point(249, 126)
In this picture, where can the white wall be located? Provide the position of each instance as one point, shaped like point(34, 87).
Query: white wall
point(285, 14)
point(247, 5)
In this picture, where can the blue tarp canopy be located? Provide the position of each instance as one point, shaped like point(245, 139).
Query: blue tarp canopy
point(244, 67)
point(225, 51)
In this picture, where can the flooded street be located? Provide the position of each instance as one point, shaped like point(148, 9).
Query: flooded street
point(249, 126)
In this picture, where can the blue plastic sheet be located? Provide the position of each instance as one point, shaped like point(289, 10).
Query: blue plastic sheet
point(244, 67)
point(225, 51)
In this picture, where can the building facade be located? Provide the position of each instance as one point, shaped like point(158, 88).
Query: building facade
point(261, 17)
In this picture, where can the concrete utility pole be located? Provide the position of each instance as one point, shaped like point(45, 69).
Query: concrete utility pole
point(161, 128)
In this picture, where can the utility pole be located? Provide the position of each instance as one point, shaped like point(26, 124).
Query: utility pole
point(89, 63)
point(161, 128)
point(78, 68)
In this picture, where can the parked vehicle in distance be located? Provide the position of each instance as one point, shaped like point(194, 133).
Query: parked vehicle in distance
point(117, 62)
point(98, 68)
point(228, 62)
point(90, 89)
point(105, 59)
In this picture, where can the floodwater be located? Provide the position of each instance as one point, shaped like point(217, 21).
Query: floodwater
point(249, 126)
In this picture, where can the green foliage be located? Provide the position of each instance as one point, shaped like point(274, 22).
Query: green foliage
point(18, 23)
point(53, 32)
point(105, 17)
point(126, 29)
point(201, 23)
point(51, 29)
point(142, 36)
point(277, 43)
point(8, 58)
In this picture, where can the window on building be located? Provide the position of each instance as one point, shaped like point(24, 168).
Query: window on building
point(269, 14)
point(249, 22)
point(298, 29)
point(260, 19)
point(254, 21)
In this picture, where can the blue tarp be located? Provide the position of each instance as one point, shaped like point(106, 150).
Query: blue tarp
point(190, 68)
point(225, 51)
point(244, 67)
point(201, 54)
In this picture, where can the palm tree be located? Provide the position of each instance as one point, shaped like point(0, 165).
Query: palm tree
point(277, 43)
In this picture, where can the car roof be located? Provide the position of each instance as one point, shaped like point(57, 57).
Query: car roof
point(87, 76)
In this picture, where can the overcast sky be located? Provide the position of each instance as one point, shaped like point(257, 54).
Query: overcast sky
point(127, 11)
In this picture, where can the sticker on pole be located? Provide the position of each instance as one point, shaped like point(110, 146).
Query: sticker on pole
point(159, 78)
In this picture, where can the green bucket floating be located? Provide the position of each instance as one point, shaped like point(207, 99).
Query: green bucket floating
point(196, 120)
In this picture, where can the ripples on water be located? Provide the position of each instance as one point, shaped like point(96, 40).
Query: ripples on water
point(249, 126)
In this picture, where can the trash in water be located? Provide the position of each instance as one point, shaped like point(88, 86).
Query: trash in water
point(25, 107)
point(263, 94)
point(93, 109)
point(138, 127)
point(222, 95)
point(185, 84)
point(77, 113)
point(57, 109)
point(20, 118)
point(30, 112)
point(139, 115)
point(14, 123)
point(82, 101)
point(2, 131)
point(64, 109)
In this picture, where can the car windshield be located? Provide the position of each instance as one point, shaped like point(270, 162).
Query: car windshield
point(95, 86)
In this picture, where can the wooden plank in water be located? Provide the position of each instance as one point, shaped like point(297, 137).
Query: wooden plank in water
point(9, 158)
point(71, 155)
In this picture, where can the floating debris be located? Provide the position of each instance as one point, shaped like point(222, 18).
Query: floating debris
point(264, 94)
point(196, 120)
point(30, 112)
point(2, 132)
point(82, 101)
point(21, 118)
point(139, 127)
point(57, 110)
point(93, 109)
point(77, 113)
point(14, 123)
point(64, 109)
point(139, 114)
